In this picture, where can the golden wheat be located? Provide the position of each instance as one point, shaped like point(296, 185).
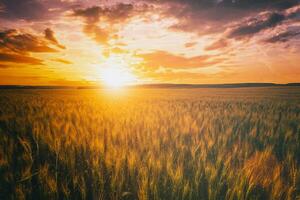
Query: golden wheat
point(150, 144)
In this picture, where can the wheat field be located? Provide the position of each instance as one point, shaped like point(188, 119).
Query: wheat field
point(214, 144)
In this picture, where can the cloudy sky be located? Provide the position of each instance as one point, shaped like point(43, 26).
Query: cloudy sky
point(80, 42)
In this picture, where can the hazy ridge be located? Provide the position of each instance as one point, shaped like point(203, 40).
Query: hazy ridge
point(163, 85)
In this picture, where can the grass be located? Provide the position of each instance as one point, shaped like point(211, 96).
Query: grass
point(150, 144)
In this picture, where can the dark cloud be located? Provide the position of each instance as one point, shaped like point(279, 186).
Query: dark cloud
point(158, 59)
point(49, 35)
point(255, 25)
point(13, 40)
point(293, 13)
point(251, 26)
point(23, 9)
point(17, 58)
point(202, 21)
point(258, 4)
point(264, 21)
point(16, 46)
point(212, 16)
point(282, 37)
point(117, 12)
point(113, 15)
point(210, 9)
point(240, 4)
point(91, 14)
point(33, 10)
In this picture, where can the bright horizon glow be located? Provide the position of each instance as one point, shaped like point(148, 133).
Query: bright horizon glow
point(116, 73)
point(117, 43)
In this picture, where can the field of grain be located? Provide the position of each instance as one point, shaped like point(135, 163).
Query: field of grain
point(150, 144)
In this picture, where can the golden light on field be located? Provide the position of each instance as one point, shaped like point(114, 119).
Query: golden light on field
point(150, 143)
point(116, 73)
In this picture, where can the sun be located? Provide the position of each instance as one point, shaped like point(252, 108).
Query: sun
point(115, 77)
point(116, 74)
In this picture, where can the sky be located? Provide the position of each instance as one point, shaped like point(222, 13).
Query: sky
point(88, 42)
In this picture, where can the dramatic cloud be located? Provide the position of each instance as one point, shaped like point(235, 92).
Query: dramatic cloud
point(108, 17)
point(34, 10)
point(16, 46)
point(242, 4)
point(23, 9)
point(187, 41)
point(254, 26)
point(16, 58)
point(262, 22)
point(164, 59)
point(241, 18)
point(49, 35)
point(12, 40)
point(117, 12)
point(282, 37)
point(207, 17)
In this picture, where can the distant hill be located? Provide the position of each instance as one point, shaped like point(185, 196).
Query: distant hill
point(166, 85)
point(230, 85)
point(34, 87)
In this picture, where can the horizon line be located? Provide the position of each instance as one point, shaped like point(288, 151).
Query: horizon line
point(156, 85)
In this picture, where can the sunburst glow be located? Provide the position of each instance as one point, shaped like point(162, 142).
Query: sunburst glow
point(116, 73)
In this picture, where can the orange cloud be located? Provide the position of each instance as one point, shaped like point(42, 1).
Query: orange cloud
point(161, 58)
point(110, 16)
point(15, 41)
point(179, 38)
point(16, 47)
point(64, 61)
point(15, 58)
point(49, 35)
point(190, 44)
point(219, 44)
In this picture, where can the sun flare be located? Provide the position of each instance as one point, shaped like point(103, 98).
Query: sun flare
point(116, 73)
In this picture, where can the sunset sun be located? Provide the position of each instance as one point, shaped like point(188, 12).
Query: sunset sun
point(150, 99)
point(116, 73)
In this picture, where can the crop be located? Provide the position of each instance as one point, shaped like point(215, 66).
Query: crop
point(150, 144)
